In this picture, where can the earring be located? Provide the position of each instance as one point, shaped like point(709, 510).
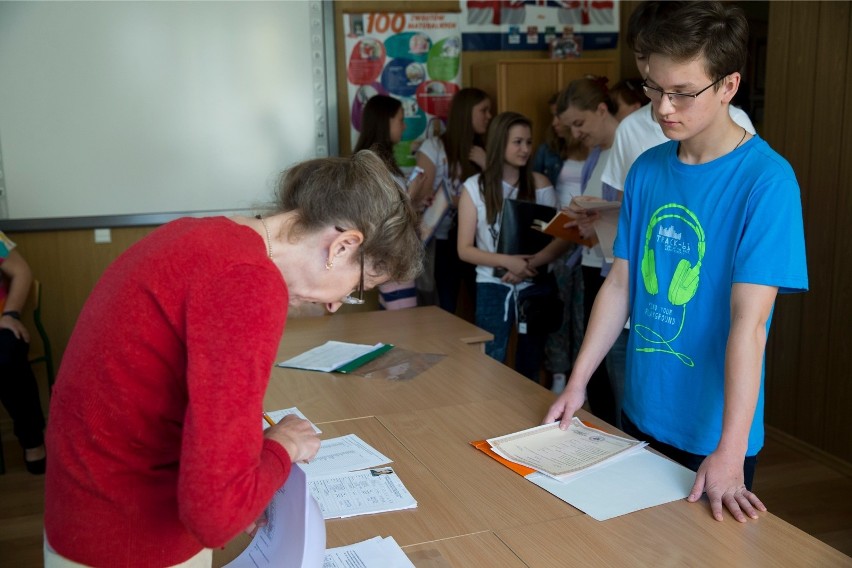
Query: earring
point(329, 264)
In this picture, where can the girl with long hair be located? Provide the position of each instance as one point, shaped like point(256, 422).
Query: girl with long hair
point(507, 175)
point(450, 159)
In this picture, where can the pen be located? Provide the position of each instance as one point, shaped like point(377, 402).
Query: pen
point(268, 419)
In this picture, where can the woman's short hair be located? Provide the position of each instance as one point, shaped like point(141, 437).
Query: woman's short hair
point(356, 193)
point(586, 94)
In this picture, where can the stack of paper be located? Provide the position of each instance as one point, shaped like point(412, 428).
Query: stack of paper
point(604, 477)
point(563, 454)
point(336, 356)
point(342, 487)
point(278, 415)
point(377, 552)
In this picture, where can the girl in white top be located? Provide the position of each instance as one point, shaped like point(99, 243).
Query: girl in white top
point(507, 175)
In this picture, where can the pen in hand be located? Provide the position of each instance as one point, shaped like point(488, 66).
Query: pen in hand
point(269, 420)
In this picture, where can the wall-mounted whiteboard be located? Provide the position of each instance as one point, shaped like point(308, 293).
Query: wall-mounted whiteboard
point(122, 108)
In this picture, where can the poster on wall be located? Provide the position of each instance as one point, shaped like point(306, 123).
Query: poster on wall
point(492, 25)
point(415, 58)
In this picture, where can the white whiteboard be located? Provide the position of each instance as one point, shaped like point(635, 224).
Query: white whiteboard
point(114, 108)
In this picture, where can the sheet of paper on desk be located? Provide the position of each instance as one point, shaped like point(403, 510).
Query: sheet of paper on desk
point(330, 356)
point(360, 493)
point(376, 552)
point(278, 415)
point(295, 532)
point(343, 454)
point(636, 482)
point(562, 453)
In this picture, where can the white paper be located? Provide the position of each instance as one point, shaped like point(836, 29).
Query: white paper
point(329, 356)
point(360, 493)
point(638, 481)
point(294, 536)
point(346, 453)
point(376, 552)
point(562, 453)
point(278, 415)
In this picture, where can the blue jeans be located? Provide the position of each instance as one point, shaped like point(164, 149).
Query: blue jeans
point(495, 313)
point(686, 459)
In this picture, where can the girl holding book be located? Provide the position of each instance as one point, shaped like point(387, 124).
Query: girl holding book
point(382, 126)
point(507, 175)
point(450, 159)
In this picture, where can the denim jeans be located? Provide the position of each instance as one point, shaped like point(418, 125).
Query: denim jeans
point(686, 459)
point(495, 313)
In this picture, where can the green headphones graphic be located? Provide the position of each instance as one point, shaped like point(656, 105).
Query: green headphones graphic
point(684, 282)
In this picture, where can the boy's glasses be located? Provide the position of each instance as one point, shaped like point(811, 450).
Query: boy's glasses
point(679, 100)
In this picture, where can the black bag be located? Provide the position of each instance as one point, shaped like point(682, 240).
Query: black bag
point(539, 308)
point(516, 233)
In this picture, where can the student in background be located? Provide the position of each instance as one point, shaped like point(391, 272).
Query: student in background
point(628, 97)
point(382, 126)
point(586, 109)
point(157, 452)
point(710, 232)
point(452, 158)
point(507, 175)
point(561, 158)
point(18, 387)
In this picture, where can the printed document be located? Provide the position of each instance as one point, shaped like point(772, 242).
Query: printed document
point(360, 493)
point(278, 415)
point(295, 532)
point(330, 356)
point(562, 453)
point(376, 552)
point(343, 454)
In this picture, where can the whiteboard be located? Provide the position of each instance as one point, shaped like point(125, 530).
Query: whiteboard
point(121, 108)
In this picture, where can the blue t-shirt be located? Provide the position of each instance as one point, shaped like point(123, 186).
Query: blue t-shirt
point(689, 232)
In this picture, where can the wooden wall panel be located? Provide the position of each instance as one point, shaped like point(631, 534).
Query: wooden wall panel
point(838, 433)
point(808, 113)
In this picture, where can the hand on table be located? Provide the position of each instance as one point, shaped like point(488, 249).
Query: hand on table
point(721, 477)
point(569, 402)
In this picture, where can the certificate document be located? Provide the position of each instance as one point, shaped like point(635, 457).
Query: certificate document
point(563, 453)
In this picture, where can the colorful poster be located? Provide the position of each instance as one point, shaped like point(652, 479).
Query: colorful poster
point(491, 25)
point(415, 58)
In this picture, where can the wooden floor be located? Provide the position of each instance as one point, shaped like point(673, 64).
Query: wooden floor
point(800, 490)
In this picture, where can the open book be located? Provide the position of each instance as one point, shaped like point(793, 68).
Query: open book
point(556, 228)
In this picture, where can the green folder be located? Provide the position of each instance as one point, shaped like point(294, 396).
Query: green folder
point(363, 359)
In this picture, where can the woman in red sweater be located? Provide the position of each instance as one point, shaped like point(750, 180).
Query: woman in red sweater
point(155, 447)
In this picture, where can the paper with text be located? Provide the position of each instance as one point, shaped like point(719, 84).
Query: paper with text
point(561, 453)
point(376, 552)
point(329, 356)
point(294, 536)
point(346, 453)
point(360, 493)
point(278, 415)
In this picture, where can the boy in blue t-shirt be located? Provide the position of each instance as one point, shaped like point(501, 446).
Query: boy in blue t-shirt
point(710, 232)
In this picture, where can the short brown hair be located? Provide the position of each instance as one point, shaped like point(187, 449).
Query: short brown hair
point(356, 193)
point(585, 94)
point(716, 31)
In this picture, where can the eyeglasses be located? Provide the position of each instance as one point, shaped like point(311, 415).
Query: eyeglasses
point(680, 100)
point(358, 297)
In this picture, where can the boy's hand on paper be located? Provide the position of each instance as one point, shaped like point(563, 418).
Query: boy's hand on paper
point(297, 436)
point(721, 477)
point(569, 402)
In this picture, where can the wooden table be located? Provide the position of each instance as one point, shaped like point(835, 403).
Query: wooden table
point(471, 510)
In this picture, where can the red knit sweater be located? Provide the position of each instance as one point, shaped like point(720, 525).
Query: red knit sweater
point(155, 437)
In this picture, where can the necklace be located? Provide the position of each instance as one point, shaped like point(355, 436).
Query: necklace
point(741, 139)
point(268, 240)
